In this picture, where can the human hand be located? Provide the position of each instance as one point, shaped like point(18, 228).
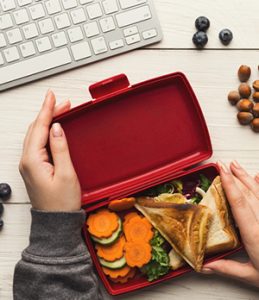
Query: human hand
point(51, 187)
point(242, 192)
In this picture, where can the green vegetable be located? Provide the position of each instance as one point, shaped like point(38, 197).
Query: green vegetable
point(196, 199)
point(159, 264)
point(178, 185)
point(205, 182)
point(117, 264)
point(165, 188)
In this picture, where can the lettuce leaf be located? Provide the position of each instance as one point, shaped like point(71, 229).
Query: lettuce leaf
point(205, 183)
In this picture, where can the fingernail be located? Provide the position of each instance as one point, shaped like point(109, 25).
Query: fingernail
point(236, 164)
point(206, 270)
point(47, 93)
point(56, 130)
point(222, 167)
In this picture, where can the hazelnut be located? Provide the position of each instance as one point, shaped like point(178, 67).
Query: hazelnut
point(256, 85)
point(256, 96)
point(245, 118)
point(244, 90)
point(255, 124)
point(245, 105)
point(244, 73)
point(256, 110)
point(233, 97)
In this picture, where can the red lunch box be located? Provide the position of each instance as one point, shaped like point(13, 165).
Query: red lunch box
point(132, 137)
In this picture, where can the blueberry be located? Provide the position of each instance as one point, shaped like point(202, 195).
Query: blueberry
point(1, 224)
point(202, 23)
point(5, 191)
point(1, 209)
point(225, 36)
point(200, 39)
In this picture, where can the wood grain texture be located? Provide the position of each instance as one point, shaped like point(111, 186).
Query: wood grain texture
point(212, 74)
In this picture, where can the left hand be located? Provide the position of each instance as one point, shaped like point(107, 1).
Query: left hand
point(51, 187)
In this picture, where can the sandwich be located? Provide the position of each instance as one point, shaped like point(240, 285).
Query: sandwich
point(184, 226)
point(222, 235)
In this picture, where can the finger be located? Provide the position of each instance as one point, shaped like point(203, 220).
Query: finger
point(245, 178)
point(231, 268)
point(61, 108)
point(244, 216)
point(27, 137)
point(40, 131)
point(60, 152)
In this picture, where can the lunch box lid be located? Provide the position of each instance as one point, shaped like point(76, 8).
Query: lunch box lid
point(129, 136)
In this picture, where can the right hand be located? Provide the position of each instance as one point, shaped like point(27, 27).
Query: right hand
point(242, 192)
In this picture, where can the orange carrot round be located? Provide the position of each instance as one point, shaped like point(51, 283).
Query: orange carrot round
point(138, 229)
point(137, 254)
point(122, 204)
point(115, 273)
point(126, 278)
point(129, 216)
point(111, 252)
point(103, 223)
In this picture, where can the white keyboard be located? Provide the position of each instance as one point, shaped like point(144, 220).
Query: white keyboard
point(41, 38)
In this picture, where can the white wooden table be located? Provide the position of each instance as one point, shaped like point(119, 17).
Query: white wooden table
point(212, 73)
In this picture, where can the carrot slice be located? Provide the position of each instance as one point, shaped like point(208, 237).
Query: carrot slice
point(103, 223)
point(112, 252)
point(122, 204)
point(129, 216)
point(137, 254)
point(115, 273)
point(138, 229)
point(126, 278)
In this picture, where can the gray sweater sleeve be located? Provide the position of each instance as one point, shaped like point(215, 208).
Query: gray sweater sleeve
point(56, 264)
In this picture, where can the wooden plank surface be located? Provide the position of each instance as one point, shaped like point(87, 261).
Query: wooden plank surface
point(212, 74)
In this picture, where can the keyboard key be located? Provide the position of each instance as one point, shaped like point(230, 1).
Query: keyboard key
point(14, 36)
point(53, 6)
point(62, 21)
point(37, 11)
point(78, 16)
point(94, 11)
point(7, 5)
point(133, 16)
point(24, 2)
point(30, 31)
point(46, 26)
point(110, 6)
point(130, 3)
point(1, 59)
point(69, 4)
point(116, 44)
point(91, 29)
point(5, 21)
point(75, 34)
point(81, 51)
point(99, 45)
point(11, 54)
point(107, 24)
point(133, 39)
point(130, 30)
point(43, 44)
point(2, 40)
point(21, 16)
point(59, 39)
point(27, 49)
point(148, 34)
point(35, 65)
point(85, 1)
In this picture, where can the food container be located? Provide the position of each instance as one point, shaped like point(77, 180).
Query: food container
point(130, 138)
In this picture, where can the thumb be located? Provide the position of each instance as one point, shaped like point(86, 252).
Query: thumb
point(59, 151)
point(231, 268)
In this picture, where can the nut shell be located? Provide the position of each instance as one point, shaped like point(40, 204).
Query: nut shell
point(244, 73)
point(245, 118)
point(245, 105)
point(244, 90)
point(256, 85)
point(255, 125)
point(256, 96)
point(233, 97)
point(256, 110)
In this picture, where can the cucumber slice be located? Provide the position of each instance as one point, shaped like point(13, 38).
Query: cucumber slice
point(113, 238)
point(117, 264)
